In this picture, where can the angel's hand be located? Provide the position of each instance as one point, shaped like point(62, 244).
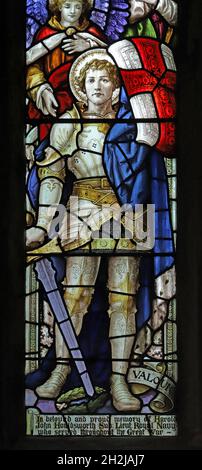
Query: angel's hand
point(77, 44)
point(49, 102)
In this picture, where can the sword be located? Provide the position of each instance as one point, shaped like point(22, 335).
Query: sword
point(46, 274)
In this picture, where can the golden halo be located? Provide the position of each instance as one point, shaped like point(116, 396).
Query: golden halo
point(77, 66)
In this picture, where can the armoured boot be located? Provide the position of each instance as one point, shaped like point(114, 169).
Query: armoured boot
point(53, 386)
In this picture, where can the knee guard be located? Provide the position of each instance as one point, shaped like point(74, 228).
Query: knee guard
point(78, 299)
point(124, 275)
point(121, 304)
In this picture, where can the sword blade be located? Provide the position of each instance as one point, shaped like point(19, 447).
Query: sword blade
point(47, 276)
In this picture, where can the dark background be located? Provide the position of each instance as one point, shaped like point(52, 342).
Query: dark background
point(189, 259)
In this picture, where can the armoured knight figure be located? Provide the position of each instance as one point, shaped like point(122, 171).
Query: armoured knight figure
point(79, 147)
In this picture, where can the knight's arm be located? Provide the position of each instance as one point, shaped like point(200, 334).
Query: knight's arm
point(52, 173)
point(52, 170)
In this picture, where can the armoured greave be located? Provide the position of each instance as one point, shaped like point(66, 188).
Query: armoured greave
point(123, 283)
point(81, 275)
point(78, 300)
point(62, 353)
point(122, 330)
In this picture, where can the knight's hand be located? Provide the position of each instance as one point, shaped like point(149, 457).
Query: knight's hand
point(49, 102)
point(77, 44)
point(35, 237)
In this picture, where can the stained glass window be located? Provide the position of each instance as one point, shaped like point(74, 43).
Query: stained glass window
point(101, 179)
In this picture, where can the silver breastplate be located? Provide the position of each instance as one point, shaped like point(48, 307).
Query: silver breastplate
point(87, 160)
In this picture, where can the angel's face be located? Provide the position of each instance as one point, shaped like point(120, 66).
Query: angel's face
point(98, 86)
point(71, 11)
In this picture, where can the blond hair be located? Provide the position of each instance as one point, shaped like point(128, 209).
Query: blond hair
point(54, 7)
point(97, 64)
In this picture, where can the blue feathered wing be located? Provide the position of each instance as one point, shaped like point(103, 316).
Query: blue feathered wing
point(111, 16)
point(37, 15)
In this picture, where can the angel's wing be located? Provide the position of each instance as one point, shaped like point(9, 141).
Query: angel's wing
point(111, 16)
point(37, 15)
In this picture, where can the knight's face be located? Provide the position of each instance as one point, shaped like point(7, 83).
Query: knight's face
point(98, 86)
point(71, 11)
